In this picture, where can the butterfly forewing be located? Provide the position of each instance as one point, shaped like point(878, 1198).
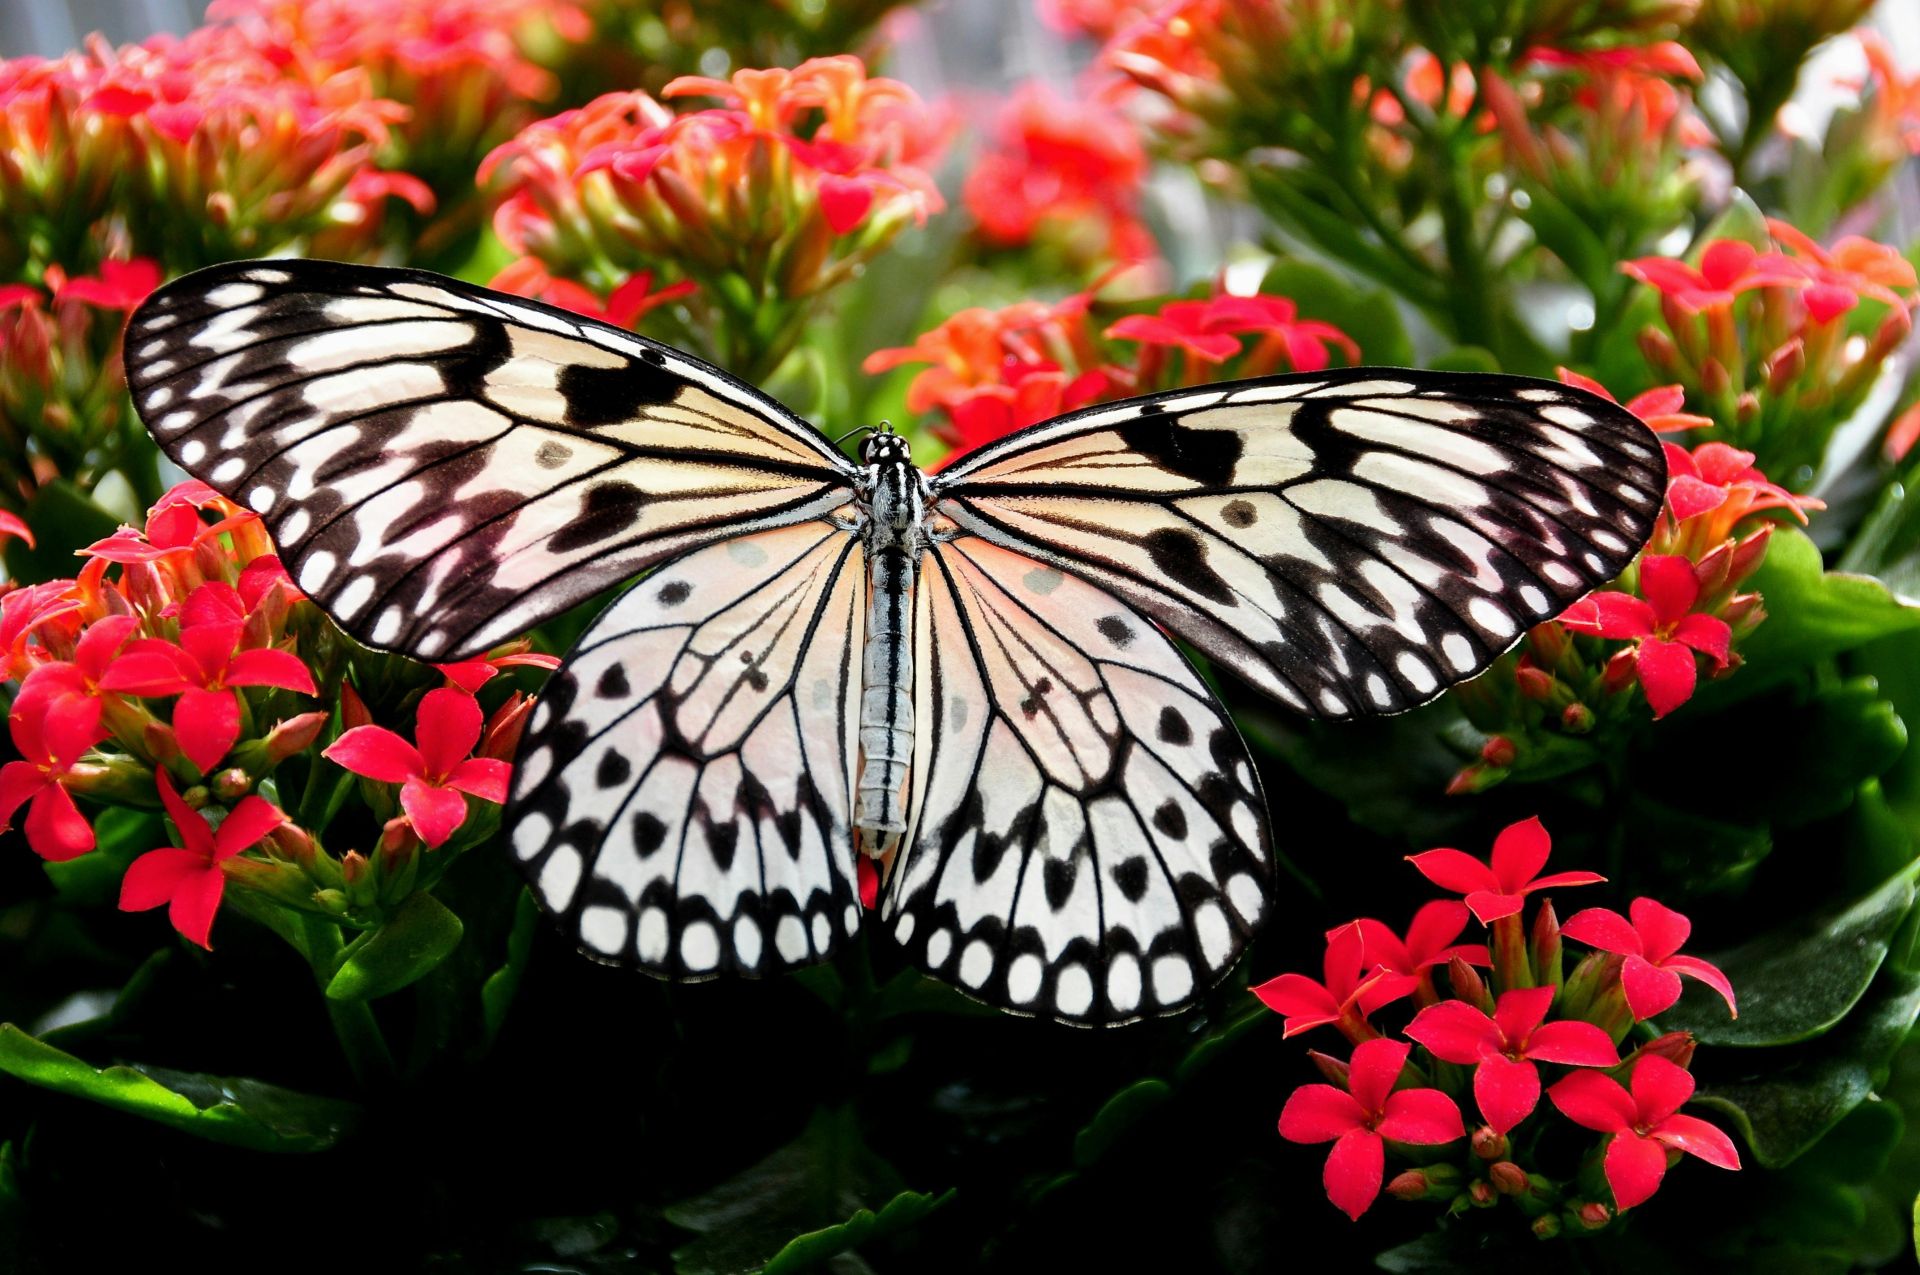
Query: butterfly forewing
point(1086, 834)
point(443, 466)
point(682, 797)
point(1349, 543)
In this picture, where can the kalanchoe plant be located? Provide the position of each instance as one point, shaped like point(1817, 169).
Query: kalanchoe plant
point(1485, 1040)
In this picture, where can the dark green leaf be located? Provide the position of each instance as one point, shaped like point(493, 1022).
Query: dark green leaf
point(1117, 1117)
point(1697, 852)
point(1465, 358)
point(1367, 315)
point(121, 835)
point(1562, 232)
point(1794, 985)
point(420, 934)
point(902, 1213)
point(64, 520)
point(239, 1112)
point(497, 993)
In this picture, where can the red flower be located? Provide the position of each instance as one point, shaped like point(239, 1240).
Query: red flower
point(201, 670)
point(1651, 974)
point(53, 725)
point(1659, 408)
point(1718, 479)
point(26, 610)
point(1205, 330)
point(625, 306)
point(1853, 268)
point(433, 776)
point(1519, 852)
point(1358, 1119)
point(1504, 1048)
point(1429, 942)
point(189, 879)
point(1345, 997)
point(122, 285)
point(12, 526)
point(1727, 267)
point(471, 675)
point(1662, 626)
point(1644, 1124)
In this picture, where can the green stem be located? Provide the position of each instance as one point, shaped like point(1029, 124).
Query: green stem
point(354, 1025)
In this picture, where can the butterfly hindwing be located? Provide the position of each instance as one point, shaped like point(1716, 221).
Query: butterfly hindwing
point(442, 466)
point(1086, 837)
point(1349, 542)
point(682, 798)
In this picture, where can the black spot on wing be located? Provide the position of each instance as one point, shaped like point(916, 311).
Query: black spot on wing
point(606, 510)
point(1207, 456)
point(608, 395)
point(1181, 555)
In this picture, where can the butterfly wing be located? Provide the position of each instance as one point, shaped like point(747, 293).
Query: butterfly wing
point(1086, 837)
point(1351, 542)
point(443, 467)
point(682, 796)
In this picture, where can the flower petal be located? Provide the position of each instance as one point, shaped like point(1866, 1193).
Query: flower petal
point(1603, 928)
point(1304, 1002)
point(1573, 1043)
point(447, 727)
point(1320, 1113)
point(55, 828)
point(1710, 974)
point(269, 667)
point(1662, 930)
point(1373, 1069)
point(484, 777)
point(245, 825)
point(1424, 1117)
point(1667, 674)
point(377, 753)
point(206, 723)
point(1489, 906)
point(1668, 584)
point(1454, 1031)
point(1519, 852)
point(1594, 1101)
point(1650, 989)
point(1521, 1010)
point(1634, 1166)
point(153, 878)
point(1437, 924)
point(1454, 870)
point(1698, 1138)
point(19, 781)
point(1609, 614)
point(437, 813)
point(1660, 1088)
point(1506, 1091)
point(1708, 634)
point(1354, 1169)
point(195, 901)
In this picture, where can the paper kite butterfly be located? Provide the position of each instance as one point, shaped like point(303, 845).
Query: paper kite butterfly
point(968, 675)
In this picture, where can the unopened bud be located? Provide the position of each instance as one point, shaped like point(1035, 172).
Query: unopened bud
point(294, 735)
point(1659, 351)
point(1593, 1215)
point(1676, 1047)
point(1546, 1226)
point(1509, 1178)
point(1743, 613)
point(503, 732)
point(1489, 1144)
point(1468, 986)
point(231, 784)
point(1784, 366)
point(1746, 408)
point(1411, 1185)
point(157, 741)
point(1748, 554)
point(1473, 778)
point(1544, 947)
point(1332, 1068)
point(1535, 683)
point(1482, 1194)
point(1576, 718)
point(1712, 568)
point(1713, 377)
point(353, 709)
point(1499, 751)
point(291, 842)
point(1621, 672)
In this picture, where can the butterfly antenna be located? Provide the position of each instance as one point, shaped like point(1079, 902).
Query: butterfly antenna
point(857, 429)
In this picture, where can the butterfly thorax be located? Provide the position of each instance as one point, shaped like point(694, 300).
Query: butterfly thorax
point(895, 507)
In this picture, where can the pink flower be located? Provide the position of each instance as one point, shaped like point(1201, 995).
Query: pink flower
point(1519, 852)
point(1662, 626)
point(1650, 942)
point(121, 285)
point(1659, 408)
point(1728, 267)
point(1205, 329)
point(189, 879)
point(53, 725)
point(1644, 1124)
point(1504, 1048)
point(12, 526)
point(1429, 942)
point(1345, 997)
point(471, 675)
point(433, 776)
point(1357, 1121)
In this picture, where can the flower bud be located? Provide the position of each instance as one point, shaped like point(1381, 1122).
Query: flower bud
point(1509, 1178)
point(1659, 351)
point(1676, 1047)
point(1713, 377)
point(1545, 947)
point(1489, 1144)
point(1592, 1215)
point(231, 784)
point(1429, 1182)
point(1546, 1226)
point(294, 735)
point(1712, 568)
point(502, 737)
point(157, 742)
point(357, 875)
point(1482, 1195)
point(1748, 554)
point(1576, 718)
point(291, 842)
point(1411, 1185)
point(1621, 672)
point(1549, 644)
point(353, 709)
point(1498, 751)
point(1746, 408)
point(1784, 366)
point(1468, 986)
point(1332, 1068)
point(1535, 683)
point(1473, 778)
point(1743, 612)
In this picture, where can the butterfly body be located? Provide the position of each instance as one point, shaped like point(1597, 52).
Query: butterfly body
point(971, 675)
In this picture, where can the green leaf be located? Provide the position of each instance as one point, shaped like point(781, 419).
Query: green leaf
point(1796, 984)
point(1887, 544)
point(1812, 615)
point(1784, 1105)
point(238, 1112)
point(1369, 316)
point(1562, 232)
point(121, 835)
point(64, 520)
point(420, 934)
point(497, 993)
point(1119, 1116)
point(903, 1212)
point(1694, 851)
point(1916, 1226)
point(1465, 358)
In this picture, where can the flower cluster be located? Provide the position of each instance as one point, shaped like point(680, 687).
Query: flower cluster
point(190, 151)
point(766, 204)
point(1064, 175)
point(995, 371)
point(182, 667)
point(1497, 1038)
point(1680, 605)
point(1762, 336)
point(63, 407)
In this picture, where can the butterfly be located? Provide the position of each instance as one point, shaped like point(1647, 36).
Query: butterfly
point(967, 678)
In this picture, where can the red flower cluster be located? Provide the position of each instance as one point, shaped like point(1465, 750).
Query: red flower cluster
point(766, 203)
point(1063, 174)
point(183, 664)
point(995, 371)
point(1494, 1034)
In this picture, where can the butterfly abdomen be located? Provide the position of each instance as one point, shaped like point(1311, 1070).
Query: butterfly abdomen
point(896, 512)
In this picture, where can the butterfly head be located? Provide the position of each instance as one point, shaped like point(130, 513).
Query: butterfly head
point(884, 447)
